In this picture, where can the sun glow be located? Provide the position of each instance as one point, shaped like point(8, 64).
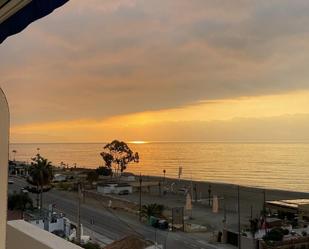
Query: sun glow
point(138, 142)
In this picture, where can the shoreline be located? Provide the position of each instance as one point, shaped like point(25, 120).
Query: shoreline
point(171, 179)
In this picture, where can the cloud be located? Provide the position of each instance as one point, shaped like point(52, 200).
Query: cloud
point(242, 118)
point(97, 59)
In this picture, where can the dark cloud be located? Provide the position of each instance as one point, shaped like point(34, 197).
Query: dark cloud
point(93, 59)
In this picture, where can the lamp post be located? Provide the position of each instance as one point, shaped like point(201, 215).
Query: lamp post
point(78, 229)
point(238, 210)
point(140, 197)
point(14, 152)
point(209, 194)
point(164, 171)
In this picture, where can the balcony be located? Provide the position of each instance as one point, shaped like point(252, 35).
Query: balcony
point(21, 234)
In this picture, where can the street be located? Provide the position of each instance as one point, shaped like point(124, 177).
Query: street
point(114, 225)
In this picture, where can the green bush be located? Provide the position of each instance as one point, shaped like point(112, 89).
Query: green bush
point(91, 245)
point(21, 201)
point(275, 234)
point(104, 171)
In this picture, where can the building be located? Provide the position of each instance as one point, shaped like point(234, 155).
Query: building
point(132, 242)
point(55, 223)
point(128, 177)
point(59, 178)
point(18, 168)
point(16, 15)
point(114, 188)
point(50, 221)
point(298, 208)
point(4, 158)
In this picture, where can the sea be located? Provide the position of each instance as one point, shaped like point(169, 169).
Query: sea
point(258, 164)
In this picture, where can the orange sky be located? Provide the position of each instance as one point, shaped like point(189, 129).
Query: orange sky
point(160, 70)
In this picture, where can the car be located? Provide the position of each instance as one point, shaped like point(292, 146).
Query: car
point(183, 191)
point(124, 192)
point(24, 190)
point(10, 181)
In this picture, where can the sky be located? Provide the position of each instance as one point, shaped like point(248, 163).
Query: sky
point(160, 70)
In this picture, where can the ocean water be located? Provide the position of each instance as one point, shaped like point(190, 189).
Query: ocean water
point(271, 165)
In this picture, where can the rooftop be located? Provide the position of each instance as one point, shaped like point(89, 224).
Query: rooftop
point(293, 204)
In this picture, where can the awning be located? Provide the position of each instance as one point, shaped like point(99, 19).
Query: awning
point(15, 15)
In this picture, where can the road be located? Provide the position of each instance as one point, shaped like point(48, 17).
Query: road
point(115, 225)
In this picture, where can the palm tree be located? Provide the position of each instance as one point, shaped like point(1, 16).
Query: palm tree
point(153, 209)
point(41, 174)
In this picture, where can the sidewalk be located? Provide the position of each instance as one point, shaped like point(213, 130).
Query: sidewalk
point(202, 214)
point(97, 238)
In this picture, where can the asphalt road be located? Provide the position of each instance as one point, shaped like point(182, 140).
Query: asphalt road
point(114, 225)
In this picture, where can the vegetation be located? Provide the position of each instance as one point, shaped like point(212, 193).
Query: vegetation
point(21, 201)
point(92, 176)
point(66, 186)
point(275, 234)
point(41, 174)
point(254, 228)
point(153, 209)
point(104, 171)
point(91, 245)
point(117, 154)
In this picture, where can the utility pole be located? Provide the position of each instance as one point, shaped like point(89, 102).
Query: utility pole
point(264, 209)
point(164, 172)
point(140, 197)
point(238, 207)
point(195, 192)
point(224, 212)
point(209, 195)
point(78, 229)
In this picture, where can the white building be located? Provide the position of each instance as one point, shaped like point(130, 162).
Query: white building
point(59, 178)
point(50, 221)
point(56, 223)
point(128, 177)
point(114, 188)
point(4, 158)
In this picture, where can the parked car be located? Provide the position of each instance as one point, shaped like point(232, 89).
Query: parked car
point(183, 191)
point(10, 181)
point(24, 190)
point(124, 192)
point(163, 224)
point(34, 189)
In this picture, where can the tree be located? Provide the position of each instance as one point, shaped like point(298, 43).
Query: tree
point(21, 201)
point(104, 171)
point(41, 174)
point(91, 245)
point(276, 234)
point(92, 176)
point(119, 155)
point(153, 209)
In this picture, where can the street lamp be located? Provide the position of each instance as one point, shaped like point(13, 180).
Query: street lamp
point(164, 171)
point(14, 152)
point(140, 197)
point(209, 194)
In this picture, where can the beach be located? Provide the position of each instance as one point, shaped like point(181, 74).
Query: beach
point(251, 200)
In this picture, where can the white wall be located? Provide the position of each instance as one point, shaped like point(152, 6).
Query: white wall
point(4, 151)
point(23, 235)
